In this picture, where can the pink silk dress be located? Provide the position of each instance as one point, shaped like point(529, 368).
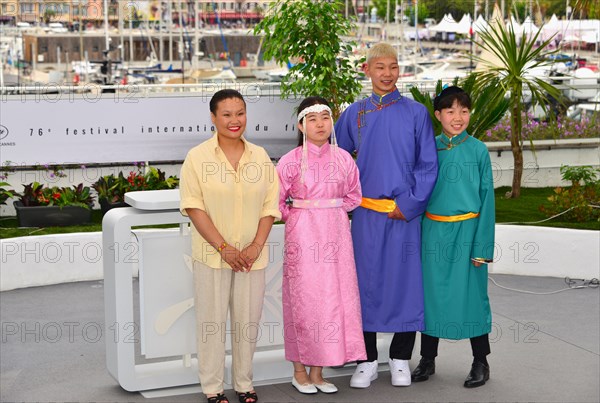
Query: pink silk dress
point(321, 302)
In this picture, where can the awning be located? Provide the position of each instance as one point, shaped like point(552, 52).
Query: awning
point(229, 16)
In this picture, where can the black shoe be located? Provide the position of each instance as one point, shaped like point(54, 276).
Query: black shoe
point(478, 375)
point(425, 368)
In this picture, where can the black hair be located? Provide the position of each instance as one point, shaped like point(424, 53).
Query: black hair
point(446, 98)
point(221, 96)
point(306, 102)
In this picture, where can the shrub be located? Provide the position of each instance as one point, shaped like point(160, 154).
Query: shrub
point(35, 194)
point(113, 188)
point(581, 200)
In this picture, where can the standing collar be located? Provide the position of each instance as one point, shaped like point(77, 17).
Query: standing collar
point(316, 149)
point(384, 99)
point(454, 141)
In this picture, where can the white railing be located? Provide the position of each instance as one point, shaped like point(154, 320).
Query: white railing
point(249, 88)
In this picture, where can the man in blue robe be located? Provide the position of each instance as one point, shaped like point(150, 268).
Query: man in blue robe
point(397, 159)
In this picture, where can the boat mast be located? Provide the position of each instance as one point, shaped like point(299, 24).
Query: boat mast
point(108, 75)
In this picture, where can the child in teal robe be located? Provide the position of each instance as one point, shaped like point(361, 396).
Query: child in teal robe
point(458, 242)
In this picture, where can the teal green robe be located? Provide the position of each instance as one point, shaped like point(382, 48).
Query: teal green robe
point(456, 299)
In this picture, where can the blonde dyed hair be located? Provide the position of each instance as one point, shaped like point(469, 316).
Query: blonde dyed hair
point(381, 50)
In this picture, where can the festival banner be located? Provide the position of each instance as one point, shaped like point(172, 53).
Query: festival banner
point(125, 127)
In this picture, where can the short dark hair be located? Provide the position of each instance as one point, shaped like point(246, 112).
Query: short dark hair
point(306, 102)
point(446, 98)
point(221, 96)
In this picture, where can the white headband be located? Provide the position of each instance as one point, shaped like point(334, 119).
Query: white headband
point(317, 108)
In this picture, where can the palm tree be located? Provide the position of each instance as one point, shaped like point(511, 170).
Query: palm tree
point(510, 74)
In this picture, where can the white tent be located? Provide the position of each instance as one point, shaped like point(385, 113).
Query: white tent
point(553, 23)
point(591, 37)
point(464, 25)
point(551, 28)
point(447, 24)
point(517, 28)
point(529, 27)
point(480, 24)
point(571, 29)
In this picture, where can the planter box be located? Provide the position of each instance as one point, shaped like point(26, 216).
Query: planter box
point(51, 216)
point(105, 205)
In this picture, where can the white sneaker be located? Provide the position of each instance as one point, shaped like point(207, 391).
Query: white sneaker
point(400, 372)
point(363, 375)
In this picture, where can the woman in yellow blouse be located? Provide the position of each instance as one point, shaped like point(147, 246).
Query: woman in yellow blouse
point(229, 189)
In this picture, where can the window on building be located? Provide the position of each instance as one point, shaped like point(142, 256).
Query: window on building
point(27, 8)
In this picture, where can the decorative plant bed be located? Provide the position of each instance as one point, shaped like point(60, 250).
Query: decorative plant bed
point(51, 216)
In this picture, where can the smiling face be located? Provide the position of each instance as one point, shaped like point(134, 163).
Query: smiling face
point(230, 118)
point(383, 72)
point(317, 126)
point(454, 120)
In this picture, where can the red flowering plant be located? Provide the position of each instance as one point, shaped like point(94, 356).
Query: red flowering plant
point(35, 194)
point(113, 188)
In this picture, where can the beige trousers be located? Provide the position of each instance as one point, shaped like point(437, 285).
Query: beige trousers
point(216, 291)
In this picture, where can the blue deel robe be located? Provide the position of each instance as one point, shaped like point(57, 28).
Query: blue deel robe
point(397, 159)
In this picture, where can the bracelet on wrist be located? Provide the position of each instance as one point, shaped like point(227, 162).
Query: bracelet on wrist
point(223, 246)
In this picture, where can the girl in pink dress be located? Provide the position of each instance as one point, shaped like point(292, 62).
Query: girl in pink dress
point(319, 185)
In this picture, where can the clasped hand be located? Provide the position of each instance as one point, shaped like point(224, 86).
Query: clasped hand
point(241, 260)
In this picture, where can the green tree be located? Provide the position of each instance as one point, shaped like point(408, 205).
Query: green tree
point(423, 13)
point(516, 58)
point(49, 15)
point(587, 8)
point(311, 32)
point(382, 6)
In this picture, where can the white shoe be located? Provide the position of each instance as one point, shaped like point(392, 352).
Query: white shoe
point(306, 388)
point(400, 372)
point(363, 375)
point(326, 387)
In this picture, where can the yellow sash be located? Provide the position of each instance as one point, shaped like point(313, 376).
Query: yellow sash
point(379, 205)
point(451, 218)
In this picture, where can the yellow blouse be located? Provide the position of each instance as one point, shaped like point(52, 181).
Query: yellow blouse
point(234, 200)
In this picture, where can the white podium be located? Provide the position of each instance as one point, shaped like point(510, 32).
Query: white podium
point(166, 323)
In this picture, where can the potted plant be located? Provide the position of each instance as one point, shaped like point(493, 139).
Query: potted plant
point(111, 189)
point(5, 194)
point(40, 206)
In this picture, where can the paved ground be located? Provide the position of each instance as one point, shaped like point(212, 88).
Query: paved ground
point(545, 348)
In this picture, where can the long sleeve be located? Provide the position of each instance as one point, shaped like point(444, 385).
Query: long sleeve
point(413, 202)
point(483, 241)
point(270, 207)
point(190, 190)
point(353, 193)
point(285, 169)
point(343, 133)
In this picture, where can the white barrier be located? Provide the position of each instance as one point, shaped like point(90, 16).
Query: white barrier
point(525, 250)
